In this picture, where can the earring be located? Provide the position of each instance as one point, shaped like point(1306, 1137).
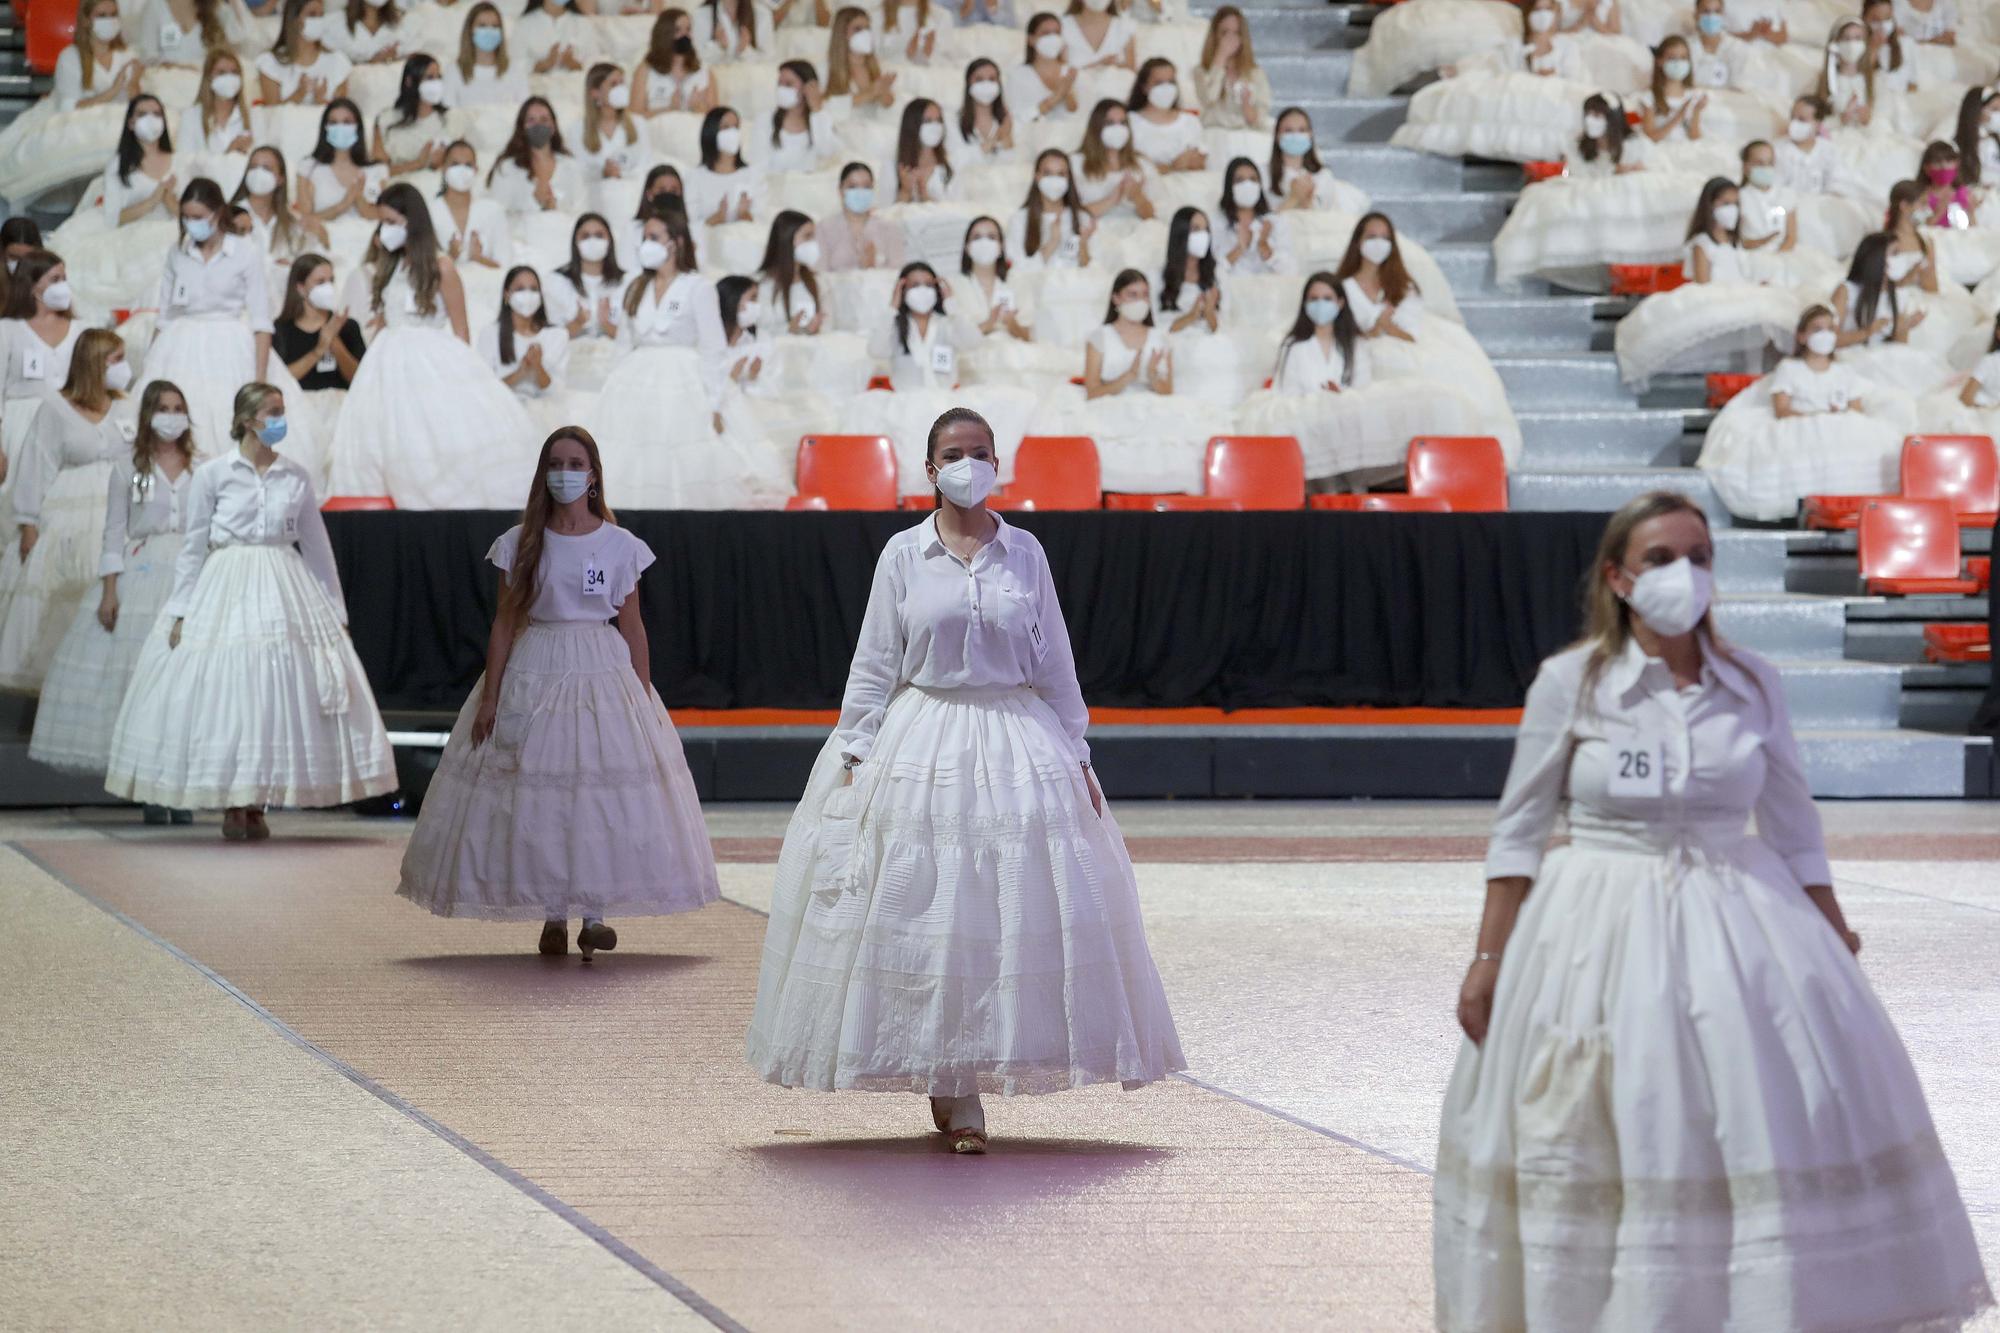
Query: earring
point(593, 490)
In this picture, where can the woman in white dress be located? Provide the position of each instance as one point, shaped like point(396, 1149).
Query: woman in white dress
point(474, 229)
point(670, 76)
point(98, 67)
point(139, 183)
point(1679, 1104)
point(1254, 237)
point(952, 831)
point(1146, 433)
point(1235, 94)
point(802, 135)
point(920, 340)
point(1112, 180)
point(610, 142)
point(369, 32)
point(1879, 309)
point(145, 509)
point(563, 789)
point(924, 172)
point(50, 559)
point(724, 188)
point(535, 173)
point(852, 71)
point(527, 352)
point(301, 68)
point(1052, 228)
point(1163, 132)
point(1297, 180)
point(816, 362)
point(757, 406)
point(984, 127)
point(1722, 318)
point(425, 424)
point(412, 134)
point(1007, 351)
point(38, 336)
point(910, 30)
point(1102, 42)
point(336, 183)
point(1208, 363)
point(731, 30)
point(1815, 426)
point(248, 693)
point(659, 416)
point(1043, 86)
point(264, 194)
point(221, 122)
point(484, 75)
point(585, 297)
point(550, 38)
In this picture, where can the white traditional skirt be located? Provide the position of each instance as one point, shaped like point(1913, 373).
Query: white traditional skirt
point(579, 804)
point(656, 433)
point(1423, 35)
point(1146, 442)
point(906, 417)
point(47, 587)
point(1567, 230)
point(208, 360)
point(1359, 430)
point(263, 703)
point(428, 424)
point(959, 920)
point(1701, 327)
point(93, 667)
point(1690, 1112)
point(1761, 467)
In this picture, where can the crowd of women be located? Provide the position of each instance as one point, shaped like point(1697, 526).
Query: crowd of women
point(1825, 175)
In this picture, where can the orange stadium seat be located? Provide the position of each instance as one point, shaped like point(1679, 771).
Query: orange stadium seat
point(1958, 643)
point(1962, 470)
point(1467, 471)
point(848, 471)
point(347, 504)
point(1387, 503)
point(1911, 546)
point(51, 27)
point(1054, 472)
point(1262, 471)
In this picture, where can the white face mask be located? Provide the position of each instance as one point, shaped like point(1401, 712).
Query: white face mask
point(105, 30)
point(984, 91)
point(524, 301)
point(1052, 187)
point(618, 97)
point(1115, 137)
point(1901, 266)
point(460, 176)
point(967, 481)
point(324, 296)
point(1726, 216)
point(861, 42)
point(431, 90)
point(392, 235)
point(1763, 176)
point(1377, 249)
point(1049, 46)
point(149, 128)
point(56, 296)
point(226, 86)
point(807, 253)
point(1163, 95)
point(1135, 311)
point(1198, 243)
point(312, 29)
point(1594, 126)
point(920, 300)
point(565, 486)
point(1821, 342)
point(1802, 131)
point(1245, 193)
point(652, 253)
point(170, 425)
point(1851, 50)
point(983, 250)
point(260, 181)
point(931, 133)
point(728, 140)
point(748, 315)
point(1676, 69)
point(1672, 599)
point(118, 376)
point(1542, 20)
point(788, 97)
point(593, 248)
point(1097, 6)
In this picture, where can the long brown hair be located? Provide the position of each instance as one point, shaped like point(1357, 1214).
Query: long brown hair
point(599, 75)
point(420, 249)
point(1396, 280)
point(146, 441)
point(295, 300)
point(285, 230)
point(660, 50)
point(683, 257)
point(85, 42)
point(1031, 236)
point(21, 284)
point(1659, 87)
point(517, 592)
point(839, 74)
point(1607, 620)
point(468, 54)
point(85, 386)
point(1095, 156)
point(1865, 65)
point(1243, 61)
point(212, 114)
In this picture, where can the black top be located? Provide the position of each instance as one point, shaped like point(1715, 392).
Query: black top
point(291, 342)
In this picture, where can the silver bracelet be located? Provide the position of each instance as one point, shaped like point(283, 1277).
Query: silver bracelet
point(1484, 957)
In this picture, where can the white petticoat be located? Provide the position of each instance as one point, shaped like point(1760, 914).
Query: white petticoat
point(1762, 467)
point(1690, 1112)
point(579, 803)
point(45, 589)
point(427, 423)
point(656, 432)
point(86, 682)
point(906, 417)
point(1568, 229)
point(1147, 442)
point(208, 360)
point(1705, 327)
point(1359, 430)
point(1419, 36)
point(959, 920)
point(263, 703)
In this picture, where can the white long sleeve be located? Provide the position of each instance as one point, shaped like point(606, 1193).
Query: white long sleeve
point(1535, 779)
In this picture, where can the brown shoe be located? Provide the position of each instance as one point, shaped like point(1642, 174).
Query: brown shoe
point(233, 827)
point(254, 827)
point(555, 939)
point(595, 936)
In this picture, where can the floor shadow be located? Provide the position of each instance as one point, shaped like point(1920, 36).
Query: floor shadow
point(529, 963)
point(915, 1181)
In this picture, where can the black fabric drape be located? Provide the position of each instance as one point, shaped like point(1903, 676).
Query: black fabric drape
point(1260, 610)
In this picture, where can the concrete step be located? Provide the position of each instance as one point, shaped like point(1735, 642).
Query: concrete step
point(1842, 695)
point(1749, 562)
point(1602, 490)
point(1943, 697)
point(1353, 119)
point(1458, 216)
point(1581, 438)
point(1303, 27)
point(1779, 624)
point(1577, 380)
point(1380, 169)
point(1875, 763)
point(1297, 74)
point(1546, 324)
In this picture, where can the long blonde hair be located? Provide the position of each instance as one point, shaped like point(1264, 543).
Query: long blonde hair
point(85, 42)
point(840, 62)
point(517, 592)
point(1607, 620)
point(599, 75)
point(1243, 61)
point(468, 54)
point(212, 114)
point(85, 386)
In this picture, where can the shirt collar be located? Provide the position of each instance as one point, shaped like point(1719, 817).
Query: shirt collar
point(1003, 535)
point(1717, 665)
point(236, 459)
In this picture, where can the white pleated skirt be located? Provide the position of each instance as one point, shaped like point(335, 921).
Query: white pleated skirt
point(959, 920)
point(47, 587)
point(208, 360)
point(657, 436)
point(1691, 1112)
point(263, 703)
point(93, 666)
point(579, 804)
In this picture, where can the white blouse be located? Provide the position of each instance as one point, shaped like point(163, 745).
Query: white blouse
point(584, 577)
point(1726, 263)
point(1305, 367)
point(231, 505)
point(212, 143)
point(68, 87)
point(554, 342)
point(1815, 170)
point(538, 32)
point(935, 622)
point(1368, 311)
point(160, 39)
point(487, 86)
point(1078, 50)
point(1724, 748)
point(564, 300)
point(803, 150)
point(662, 89)
point(329, 189)
point(779, 313)
point(228, 285)
point(1918, 25)
point(1061, 247)
point(930, 361)
point(62, 438)
point(687, 314)
point(120, 195)
point(1228, 234)
point(407, 143)
point(1720, 68)
point(331, 66)
point(30, 368)
point(137, 507)
point(486, 219)
point(1025, 93)
point(622, 147)
point(707, 190)
point(1115, 358)
point(514, 189)
point(1810, 391)
point(361, 46)
point(1765, 211)
point(1161, 144)
point(1094, 190)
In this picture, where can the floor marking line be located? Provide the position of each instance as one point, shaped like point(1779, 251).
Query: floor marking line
point(1394, 1159)
point(645, 1267)
point(1913, 893)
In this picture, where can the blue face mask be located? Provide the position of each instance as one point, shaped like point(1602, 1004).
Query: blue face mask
point(343, 136)
point(858, 198)
point(1710, 25)
point(1322, 311)
point(272, 431)
point(566, 486)
point(199, 229)
point(488, 39)
point(1295, 143)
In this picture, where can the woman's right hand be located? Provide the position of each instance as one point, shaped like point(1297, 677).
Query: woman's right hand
point(847, 777)
point(482, 721)
point(1475, 998)
point(107, 611)
point(174, 635)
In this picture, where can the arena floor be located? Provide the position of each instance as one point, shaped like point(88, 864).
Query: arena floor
point(245, 1087)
